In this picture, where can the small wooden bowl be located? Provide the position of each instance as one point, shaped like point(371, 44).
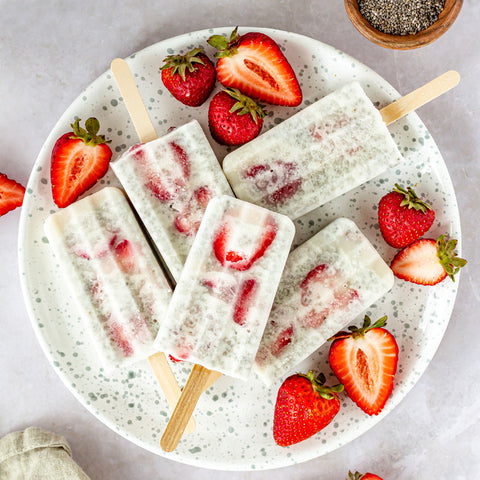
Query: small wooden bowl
point(405, 42)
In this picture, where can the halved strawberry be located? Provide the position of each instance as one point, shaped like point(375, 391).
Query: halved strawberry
point(11, 194)
point(79, 159)
point(235, 256)
point(428, 262)
point(189, 78)
point(323, 291)
point(255, 64)
point(244, 301)
point(365, 361)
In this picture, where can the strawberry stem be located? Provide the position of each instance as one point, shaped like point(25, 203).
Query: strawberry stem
point(89, 136)
point(180, 63)
point(226, 48)
point(448, 257)
point(356, 332)
point(245, 105)
point(328, 393)
point(411, 199)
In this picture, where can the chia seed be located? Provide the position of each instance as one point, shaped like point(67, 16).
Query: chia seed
point(401, 17)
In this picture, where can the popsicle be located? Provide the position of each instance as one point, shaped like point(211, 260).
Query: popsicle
point(169, 181)
point(222, 301)
point(117, 283)
point(327, 149)
point(327, 282)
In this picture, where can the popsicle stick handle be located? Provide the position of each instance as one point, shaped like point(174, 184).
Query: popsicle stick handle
point(133, 101)
point(196, 384)
point(168, 383)
point(420, 96)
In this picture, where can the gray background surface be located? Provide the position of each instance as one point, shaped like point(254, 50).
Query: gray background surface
point(51, 50)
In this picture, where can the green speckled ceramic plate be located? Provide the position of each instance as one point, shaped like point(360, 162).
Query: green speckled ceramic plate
point(234, 419)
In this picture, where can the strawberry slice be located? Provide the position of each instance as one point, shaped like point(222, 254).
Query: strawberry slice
point(234, 256)
point(174, 176)
point(323, 292)
point(428, 262)
point(79, 159)
point(279, 180)
point(188, 221)
point(282, 341)
point(244, 301)
point(254, 64)
point(11, 194)
point(124, 254)
point(365, 361)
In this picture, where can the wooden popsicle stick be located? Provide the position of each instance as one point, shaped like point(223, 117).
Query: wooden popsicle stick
point(196, 384)
point(133, 101)
point(168, 383)
point(419, 97)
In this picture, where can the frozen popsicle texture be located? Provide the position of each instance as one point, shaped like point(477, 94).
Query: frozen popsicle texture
point(327, 282)
point(222, 301)
point(327, 149)
point(120, 290)
point(169, 182)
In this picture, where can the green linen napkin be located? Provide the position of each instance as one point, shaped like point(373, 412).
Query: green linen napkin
point(36, 454)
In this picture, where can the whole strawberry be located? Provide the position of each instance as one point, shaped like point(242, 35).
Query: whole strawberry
point(304, 406)
point(79, 159)
point(427, 261)
point(233, 118)
point(403, 217)
point(362, 476)
point(189, 78)
point(254, 64)
point(11, 194)
point(365, 361)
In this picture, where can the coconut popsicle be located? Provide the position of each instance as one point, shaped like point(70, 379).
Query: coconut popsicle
point(118, 285)
point(170, 181)
point(323, 151)
point(327, 282)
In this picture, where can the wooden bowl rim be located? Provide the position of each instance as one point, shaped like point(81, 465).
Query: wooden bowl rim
point(404, 42)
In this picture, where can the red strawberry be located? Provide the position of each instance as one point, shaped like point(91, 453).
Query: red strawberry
point(11, 194)
point(362, 476)
point(304, 406)
point(232, 255)
point(244, 301)
point(427, 262)
point(255, 65)
point(174, 360)
point(79, 159)
point(124, 254)
point(403, 217)
point(233, 118)
point(283, 339)
point(322, 292)
point(188, 221)
point(189, 78)
point(279, 180)
point(365, 361)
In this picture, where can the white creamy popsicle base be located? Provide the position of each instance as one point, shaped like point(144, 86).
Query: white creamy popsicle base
point(327, 282)
point(117, 283)
point(170, 181)
point(327, 149)
point(222, 301)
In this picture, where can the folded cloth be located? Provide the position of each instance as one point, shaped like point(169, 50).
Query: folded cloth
point(36, 454)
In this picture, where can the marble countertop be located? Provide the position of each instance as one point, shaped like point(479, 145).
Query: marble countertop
point(52, 50)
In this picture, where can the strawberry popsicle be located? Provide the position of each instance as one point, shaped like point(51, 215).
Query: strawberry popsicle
point(222, 301)
point(169, 181)
point(119, 287)
point(327, 149)
point(327, 282)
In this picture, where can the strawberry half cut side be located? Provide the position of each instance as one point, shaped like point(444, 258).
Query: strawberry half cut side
point(365, 361)
point(254, 64)
point(79, 159)
point(11, 194)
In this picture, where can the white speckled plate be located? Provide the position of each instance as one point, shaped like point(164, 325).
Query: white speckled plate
point(234, 419)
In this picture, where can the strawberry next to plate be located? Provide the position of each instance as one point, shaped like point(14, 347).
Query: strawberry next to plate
point(79, 159)
point(254, 64)
point(365, 361)
point(362, 476)
point(11, 194)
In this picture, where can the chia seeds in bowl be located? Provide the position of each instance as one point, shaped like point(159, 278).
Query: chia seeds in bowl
point(401, 17)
